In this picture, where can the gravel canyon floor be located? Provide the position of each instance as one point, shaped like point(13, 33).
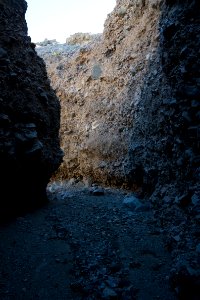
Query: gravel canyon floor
point(86, 243)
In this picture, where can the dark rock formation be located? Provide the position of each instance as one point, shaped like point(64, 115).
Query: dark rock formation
point(166, 140)
point(29, 116)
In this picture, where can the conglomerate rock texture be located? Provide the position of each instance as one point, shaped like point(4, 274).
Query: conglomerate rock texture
point(130, 101)
point(29, 116)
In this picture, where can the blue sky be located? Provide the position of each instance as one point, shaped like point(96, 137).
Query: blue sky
point(58, 19)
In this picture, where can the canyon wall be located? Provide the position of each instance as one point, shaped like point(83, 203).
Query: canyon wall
point(100, 91)
point(167, 147)
point(130, 100)
point(29, 116)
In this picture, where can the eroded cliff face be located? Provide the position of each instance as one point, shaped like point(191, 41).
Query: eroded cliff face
point(29, 116)
point(130, 102)
point(100, 90)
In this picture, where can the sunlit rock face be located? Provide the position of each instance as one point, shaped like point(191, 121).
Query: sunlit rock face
point(100, 91)
point(130, 100)
point(29, 116)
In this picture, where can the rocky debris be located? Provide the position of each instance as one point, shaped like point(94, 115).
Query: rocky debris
point(47, 42)
point(132, 202)
point(135, 204)
point(84, 247)
point(177, 217)
point(186, 282)
point(56, 51)
point(81, 38)
point(97, 191)
point(29, 118)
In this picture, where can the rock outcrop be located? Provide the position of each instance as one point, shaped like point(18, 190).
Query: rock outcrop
point(100, 91)
point(29, 116)
point(169, 105)
point(130, 102)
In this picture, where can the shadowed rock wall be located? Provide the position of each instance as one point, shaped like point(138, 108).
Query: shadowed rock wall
point(165, 142)
point(29, 116)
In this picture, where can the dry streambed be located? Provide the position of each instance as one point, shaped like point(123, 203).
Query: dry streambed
point(87, 243)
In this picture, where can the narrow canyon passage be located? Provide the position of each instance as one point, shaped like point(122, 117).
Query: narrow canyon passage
point(87, 243)
point(120, 109)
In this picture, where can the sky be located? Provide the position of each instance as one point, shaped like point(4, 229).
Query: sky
point(58, 19)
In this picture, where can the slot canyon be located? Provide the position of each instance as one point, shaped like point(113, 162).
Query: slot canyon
point(100, 160)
